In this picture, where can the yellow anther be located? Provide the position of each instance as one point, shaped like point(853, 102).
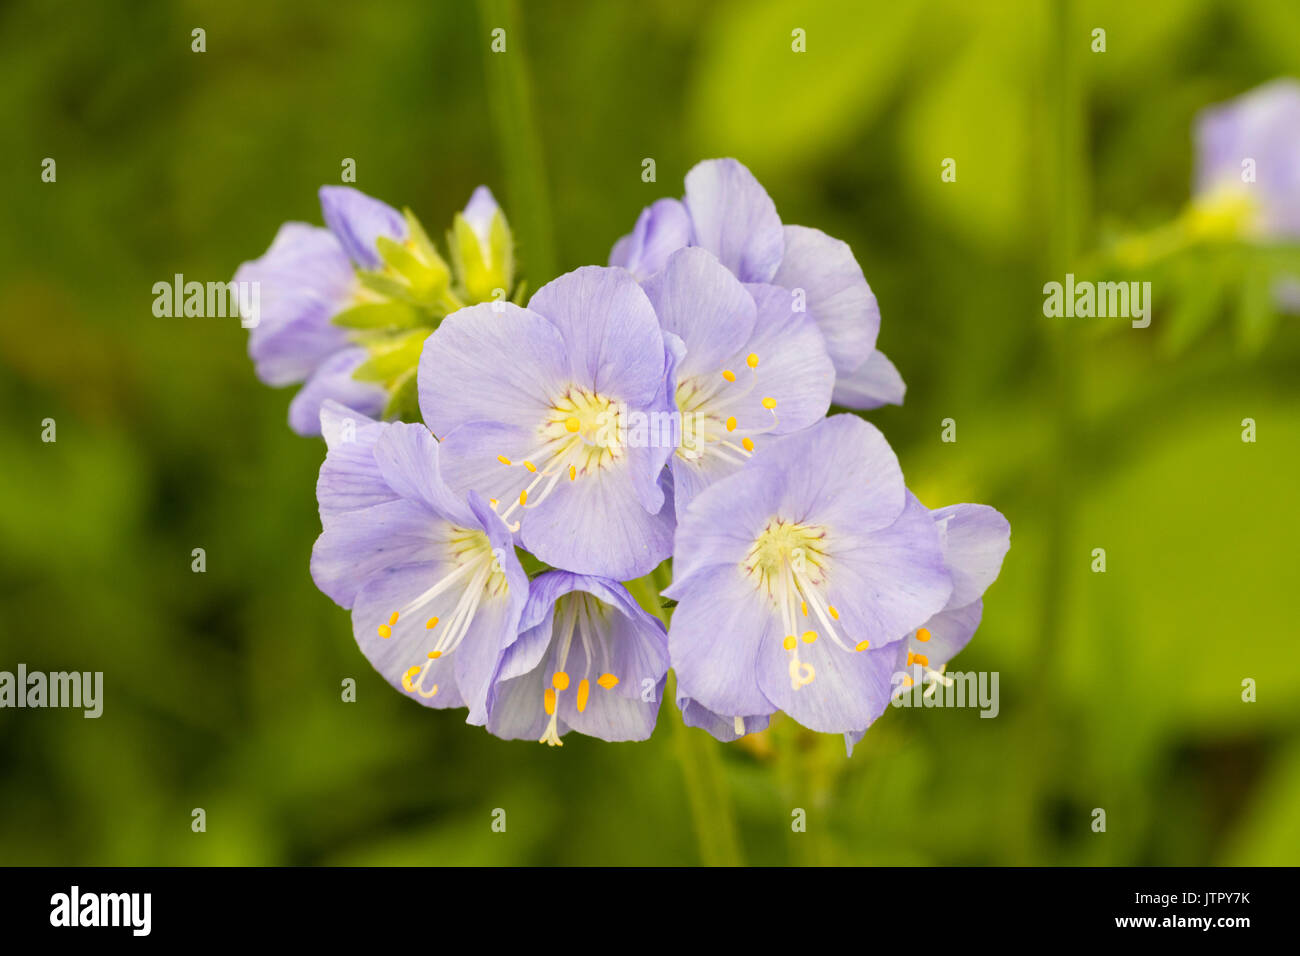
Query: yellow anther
point(748, 443)
point(862, 645)
point(572, 425)
point(530, 466)
point(908, 682)
point(803, 606)
point(584, 689)
point(769, 403)
point(406, 678)
point(731, 423)
point(573, 472)
point(523, 497)
point(392, 619)
point(809, 636)
point(918, 659)
point(385, 631)
point(789, 642)
point(607, 681)
point(729, 375)
point(560, 680)
point(752, 360)
point(493, 502)
point(503, 459)
point(548, 701)
point(922, 635)
point(834, 613)
point(434, 655)
point(431, 623)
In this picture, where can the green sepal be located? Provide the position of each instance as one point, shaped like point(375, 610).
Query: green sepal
point(404, 398)
point(389, 362)
point(379, 315)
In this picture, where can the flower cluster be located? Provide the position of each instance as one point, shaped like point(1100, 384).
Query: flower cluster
point(659, 421)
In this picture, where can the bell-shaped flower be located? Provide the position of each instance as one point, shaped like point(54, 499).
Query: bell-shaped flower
point(588, 658)
point(432, 580)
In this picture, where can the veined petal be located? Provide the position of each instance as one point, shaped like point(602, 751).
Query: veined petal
point(333, 381)
point(888, 581)
point(612, 340)
point(357, 221)
point(701, 302)
point(482, 365)
point(726, 729)
point(408, 459)
point(848, 691)
point(975, 540)
point(874, 383)
point(717, 628)
point(734, 218)
point(662, 228)
point(838, 296)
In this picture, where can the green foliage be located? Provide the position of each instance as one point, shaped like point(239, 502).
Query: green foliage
point(223, 689)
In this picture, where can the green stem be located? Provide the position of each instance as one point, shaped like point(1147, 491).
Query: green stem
point(702, 771)
point(518, 141)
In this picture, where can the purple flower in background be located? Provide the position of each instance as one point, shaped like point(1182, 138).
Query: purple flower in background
point(727, 212)
point(750, 368)
point(792, 574)
point(535, 405)
point(1249, 149)
point(305, 279)
point(432, 581)
point(588, 658)
point(975, 539)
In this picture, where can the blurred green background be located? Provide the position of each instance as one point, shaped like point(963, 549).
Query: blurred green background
point(222, 690)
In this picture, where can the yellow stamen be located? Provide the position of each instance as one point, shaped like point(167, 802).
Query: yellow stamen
point(803, 605)
point(434, 655)
point(834, 613)
point(385, 631)
point(769, 403)
point(809, 636)
point(752, 360)
point(572, 425)
point(729, 375)
point(862, 645)
point(789, 642)
point(431, 623)
point(406, 678)
point(607, 681)
point(560, 680)
point(503, 459)
point(530, 466)
point(523, 497)
point(922, 635)
point(493, 502)
point(548, 701)
point(918, 659)
point(392, 620)
point(908, 682)
point(748, 443)
point(583, 690)
point(731, 423)
point(573, 472)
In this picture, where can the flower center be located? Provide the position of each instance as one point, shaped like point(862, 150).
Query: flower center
point(788, 565)
point(705, 405)
point(579, 435)
point(476, 570)
point(576, 615)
